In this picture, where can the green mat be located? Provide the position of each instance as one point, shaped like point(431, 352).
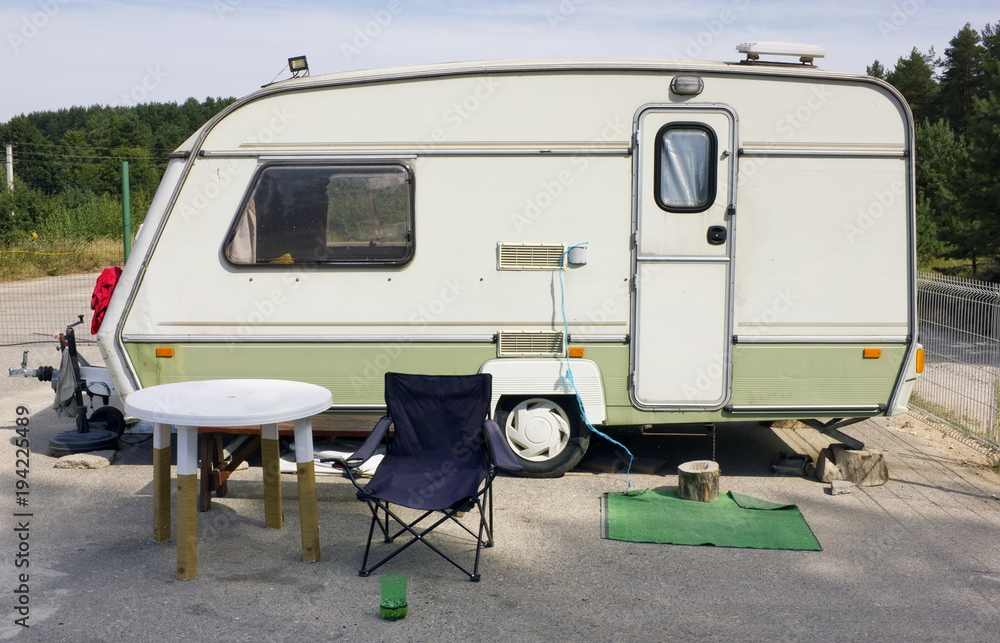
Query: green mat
point(734, 520)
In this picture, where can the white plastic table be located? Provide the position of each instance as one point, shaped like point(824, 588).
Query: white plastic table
point(213, 403)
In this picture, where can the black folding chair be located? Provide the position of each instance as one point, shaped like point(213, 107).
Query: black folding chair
point(443, 457)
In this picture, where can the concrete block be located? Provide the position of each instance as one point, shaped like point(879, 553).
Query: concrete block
point(602, 463)
point(841, 487)
point(650, 466)
point(93, 460)
point(790, 425)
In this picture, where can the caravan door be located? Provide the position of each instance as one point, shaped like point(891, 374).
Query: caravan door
point(684, 219)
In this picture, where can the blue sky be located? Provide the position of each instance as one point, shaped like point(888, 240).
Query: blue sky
point(60, 53)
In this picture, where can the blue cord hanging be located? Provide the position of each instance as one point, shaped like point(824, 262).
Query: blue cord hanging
point(569, 371)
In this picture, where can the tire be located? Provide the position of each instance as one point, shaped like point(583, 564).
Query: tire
point(547, 435)
point(112, 416)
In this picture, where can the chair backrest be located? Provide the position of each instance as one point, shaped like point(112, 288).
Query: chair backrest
point(439, 417)
point(437, 444)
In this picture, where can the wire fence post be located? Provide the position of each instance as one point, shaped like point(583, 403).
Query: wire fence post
point(126, 212)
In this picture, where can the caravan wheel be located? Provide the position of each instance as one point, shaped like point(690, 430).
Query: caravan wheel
point(547, 435)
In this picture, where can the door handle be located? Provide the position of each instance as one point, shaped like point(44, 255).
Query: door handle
point(717, 235)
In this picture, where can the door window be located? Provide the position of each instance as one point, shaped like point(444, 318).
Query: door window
point(685, 167)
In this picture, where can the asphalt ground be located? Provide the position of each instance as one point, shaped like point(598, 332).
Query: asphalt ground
point(914, 560)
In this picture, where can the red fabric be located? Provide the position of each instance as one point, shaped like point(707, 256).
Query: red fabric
point(102, 295)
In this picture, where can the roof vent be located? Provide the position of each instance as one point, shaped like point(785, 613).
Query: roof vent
point(805, 53)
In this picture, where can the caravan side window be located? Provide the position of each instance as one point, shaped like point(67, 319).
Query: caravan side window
point(325, 214)
point(685, 167)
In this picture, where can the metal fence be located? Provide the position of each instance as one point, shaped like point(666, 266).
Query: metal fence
point(960, 332)
point(33, 310)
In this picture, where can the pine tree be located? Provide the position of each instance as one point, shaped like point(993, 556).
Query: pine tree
point(983, 198)
point(913, 76)
point(961, 82)
point(876, 70)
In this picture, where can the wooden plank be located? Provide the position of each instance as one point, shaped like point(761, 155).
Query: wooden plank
point(308, 511)
point(274, 518)
point(161, 494)
point(323, 425)
point(187, 526)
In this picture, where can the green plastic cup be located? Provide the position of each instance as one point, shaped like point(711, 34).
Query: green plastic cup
point(393, 604)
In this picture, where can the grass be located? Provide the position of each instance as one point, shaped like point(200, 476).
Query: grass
point(72, 233)
point(964, 425)
point(987, 268)
point(40, 257)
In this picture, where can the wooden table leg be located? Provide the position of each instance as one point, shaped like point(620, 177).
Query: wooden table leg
point(269, 456)
point(308, 508)
point(218, 483)
point(206, 465)
point(161, 482)
point(187, 502)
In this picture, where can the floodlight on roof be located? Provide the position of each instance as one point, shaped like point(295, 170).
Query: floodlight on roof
point(298, 65)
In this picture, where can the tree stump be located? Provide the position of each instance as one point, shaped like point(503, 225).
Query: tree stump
point(698, 480)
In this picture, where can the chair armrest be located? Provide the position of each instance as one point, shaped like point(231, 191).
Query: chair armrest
point(501, 454)
point(367, 449)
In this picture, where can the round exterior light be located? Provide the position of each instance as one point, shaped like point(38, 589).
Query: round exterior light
point(687, 85)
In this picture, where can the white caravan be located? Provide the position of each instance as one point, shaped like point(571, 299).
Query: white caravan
point(696, 242)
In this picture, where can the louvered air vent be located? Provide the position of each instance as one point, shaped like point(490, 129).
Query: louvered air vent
point(518, 256)
point(529, 343)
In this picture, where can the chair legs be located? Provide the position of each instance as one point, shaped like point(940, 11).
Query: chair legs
point(378, 507)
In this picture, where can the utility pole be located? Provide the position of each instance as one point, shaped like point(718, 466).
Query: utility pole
point(10, 166)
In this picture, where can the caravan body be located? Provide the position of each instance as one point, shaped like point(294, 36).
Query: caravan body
point(740, 244)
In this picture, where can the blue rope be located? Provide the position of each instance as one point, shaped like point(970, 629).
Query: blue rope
point(569, 371)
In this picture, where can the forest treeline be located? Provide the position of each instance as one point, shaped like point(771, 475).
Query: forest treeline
point(67, 166)
point(955, 100)
point(67, 163)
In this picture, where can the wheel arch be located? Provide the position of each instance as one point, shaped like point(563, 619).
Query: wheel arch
point(547, 377)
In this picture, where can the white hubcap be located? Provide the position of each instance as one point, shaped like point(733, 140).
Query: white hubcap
point(537, 429)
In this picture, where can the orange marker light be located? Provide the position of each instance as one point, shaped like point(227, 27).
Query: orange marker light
point(575, 351)
point(164, 351)
point(920, 360)
point(872, 353)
